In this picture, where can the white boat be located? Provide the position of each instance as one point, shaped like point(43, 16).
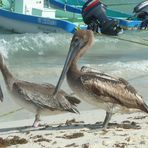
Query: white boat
point(32, 16)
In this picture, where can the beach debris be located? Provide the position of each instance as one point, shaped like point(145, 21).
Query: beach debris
point(142, 142)
point(40, 138)
point(125, 125)
point(43, 140)
point(13, 141)
point(121, 145)
point(37, 137)
point(73, 121)
point(71, 145)
point(71, 136)
point(55, 142)
point(128, 139)
point(86, 145)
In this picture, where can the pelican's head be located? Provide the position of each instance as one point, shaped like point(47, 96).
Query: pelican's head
point(80, 43)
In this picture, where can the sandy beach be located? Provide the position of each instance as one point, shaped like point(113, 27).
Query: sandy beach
point(80, 131)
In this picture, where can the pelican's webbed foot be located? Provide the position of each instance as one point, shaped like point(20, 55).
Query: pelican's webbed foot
point(36, 121)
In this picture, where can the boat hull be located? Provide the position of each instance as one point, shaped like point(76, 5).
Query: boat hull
point(23, 27)
point(32, 24)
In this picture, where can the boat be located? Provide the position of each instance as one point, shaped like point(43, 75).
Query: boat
point(23, 16)
point(76, 6)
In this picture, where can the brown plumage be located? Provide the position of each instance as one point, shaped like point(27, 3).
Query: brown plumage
point(38, 98)
point(100, 89)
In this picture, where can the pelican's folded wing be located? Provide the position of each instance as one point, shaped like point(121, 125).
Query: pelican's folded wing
point(95, 72)
point(41, 96)
point(32, 94)
point(111, 89)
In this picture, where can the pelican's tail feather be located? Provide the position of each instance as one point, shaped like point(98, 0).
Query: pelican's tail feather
point(74, 110)
point(144, 107)
point(73, 100)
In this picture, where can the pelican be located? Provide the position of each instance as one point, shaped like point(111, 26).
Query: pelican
point(1, 95)
point(37, 98)
point(102, 90)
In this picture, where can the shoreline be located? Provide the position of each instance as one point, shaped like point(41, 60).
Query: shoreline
point(81, 131)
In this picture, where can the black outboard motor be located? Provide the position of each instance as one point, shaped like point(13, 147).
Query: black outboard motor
point(141, 12)
point(93, 13)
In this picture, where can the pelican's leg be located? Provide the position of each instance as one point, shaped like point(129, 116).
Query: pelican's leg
point(36, 121)
point(107, 119)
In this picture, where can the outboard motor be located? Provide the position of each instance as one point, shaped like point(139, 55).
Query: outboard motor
point(94, 15)
point(141, 12)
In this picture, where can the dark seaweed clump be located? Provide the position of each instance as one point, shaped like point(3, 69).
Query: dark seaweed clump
point(13, 141)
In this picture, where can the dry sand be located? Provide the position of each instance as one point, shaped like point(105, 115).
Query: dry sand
point(78, 131)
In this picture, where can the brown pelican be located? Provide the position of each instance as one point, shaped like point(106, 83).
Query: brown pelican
point(37, 98)
point(102, 90)
point(1, 94)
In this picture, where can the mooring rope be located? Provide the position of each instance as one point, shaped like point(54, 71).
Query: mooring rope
point(122, 4)
point(11, 112)
point(131, 41)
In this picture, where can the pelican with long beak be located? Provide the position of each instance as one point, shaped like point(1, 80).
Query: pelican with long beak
point(99, 89)
point(37, 98)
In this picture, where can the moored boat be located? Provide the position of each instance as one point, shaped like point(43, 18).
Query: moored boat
point(33, 16)
point(121, 17)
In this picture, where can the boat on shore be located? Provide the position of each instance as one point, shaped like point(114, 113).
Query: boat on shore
point(121, 17)
point(23, 16)
point(33, 16)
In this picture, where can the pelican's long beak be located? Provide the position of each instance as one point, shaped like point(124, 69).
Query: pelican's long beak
point(74, 48)
point(1, 95)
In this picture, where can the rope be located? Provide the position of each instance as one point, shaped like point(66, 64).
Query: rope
point(11, 112)
point(145, 39)
point(130, 41)
point(127, 40)
point(122, 4)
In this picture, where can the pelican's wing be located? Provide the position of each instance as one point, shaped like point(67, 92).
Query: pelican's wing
point(32, 93)
point(104, 76)
point(111, 89)
point(41, 96)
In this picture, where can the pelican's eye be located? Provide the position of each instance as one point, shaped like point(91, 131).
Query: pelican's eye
point(76, 39)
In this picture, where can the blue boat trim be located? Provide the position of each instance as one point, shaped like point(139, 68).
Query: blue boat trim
point(129, 23)
point(65, 25)
point(60, 5)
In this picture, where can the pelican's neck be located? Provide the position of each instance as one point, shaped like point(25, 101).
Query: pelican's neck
point(8, 77)
point(74, 71)
point(74, 67)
